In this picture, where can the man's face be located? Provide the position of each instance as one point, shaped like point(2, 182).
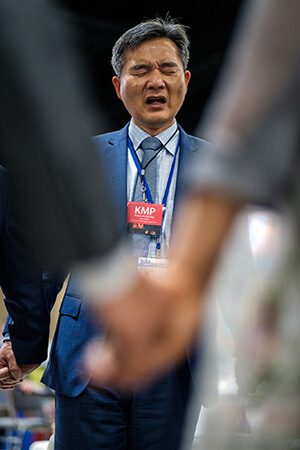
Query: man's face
point(153, 84)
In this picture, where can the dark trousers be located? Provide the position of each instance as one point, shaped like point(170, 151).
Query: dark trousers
point(106, 420)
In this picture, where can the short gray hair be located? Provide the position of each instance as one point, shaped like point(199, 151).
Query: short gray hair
point(148, 30)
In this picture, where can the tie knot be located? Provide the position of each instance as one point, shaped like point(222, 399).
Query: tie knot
point(151, 143)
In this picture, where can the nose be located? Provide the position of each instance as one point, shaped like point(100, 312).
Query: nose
point(155, 80)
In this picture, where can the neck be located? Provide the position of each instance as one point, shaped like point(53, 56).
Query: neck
point(154, 131)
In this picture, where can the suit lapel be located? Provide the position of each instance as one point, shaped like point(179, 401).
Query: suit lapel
point(115, 160)
point(188, 147)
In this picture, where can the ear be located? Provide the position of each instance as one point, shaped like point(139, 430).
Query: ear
point(116, 82)
point(187, 77)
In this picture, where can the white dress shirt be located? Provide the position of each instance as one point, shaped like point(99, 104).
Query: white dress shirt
point(164, 163)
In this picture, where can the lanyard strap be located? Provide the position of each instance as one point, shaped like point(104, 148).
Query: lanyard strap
point(142, 176)
point(165, 198)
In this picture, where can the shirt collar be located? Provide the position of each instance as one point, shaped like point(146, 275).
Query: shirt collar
point(137, 135)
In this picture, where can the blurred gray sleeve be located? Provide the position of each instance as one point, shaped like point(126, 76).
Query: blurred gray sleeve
point(253, 116)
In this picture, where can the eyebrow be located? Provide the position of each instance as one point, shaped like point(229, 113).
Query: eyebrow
point(168, 64)
point(137, 67)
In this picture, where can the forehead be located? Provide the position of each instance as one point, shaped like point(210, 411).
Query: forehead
point(154, 50)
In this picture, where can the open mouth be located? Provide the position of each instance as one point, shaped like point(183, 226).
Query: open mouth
point(156, 100)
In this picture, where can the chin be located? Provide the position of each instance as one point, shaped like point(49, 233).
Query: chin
point(159, 122)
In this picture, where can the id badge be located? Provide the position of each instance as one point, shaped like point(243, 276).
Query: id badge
point(152, 267)
point(144, 218)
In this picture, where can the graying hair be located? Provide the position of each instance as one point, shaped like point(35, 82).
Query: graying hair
point(147, 30)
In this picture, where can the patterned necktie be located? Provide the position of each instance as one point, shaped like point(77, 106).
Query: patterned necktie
point(150, 146)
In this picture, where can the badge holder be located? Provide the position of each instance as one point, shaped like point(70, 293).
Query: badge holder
point(152, 267)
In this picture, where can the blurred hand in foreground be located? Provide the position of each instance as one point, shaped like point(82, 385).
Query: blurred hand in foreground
point(149, 331)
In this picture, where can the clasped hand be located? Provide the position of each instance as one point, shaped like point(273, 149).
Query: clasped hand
point(11, 373)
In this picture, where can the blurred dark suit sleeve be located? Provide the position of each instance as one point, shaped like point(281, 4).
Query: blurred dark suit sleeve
point(22, 285)
point(45, 129)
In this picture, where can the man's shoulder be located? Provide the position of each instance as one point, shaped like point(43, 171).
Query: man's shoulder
point(194, 141)
point(111, 136)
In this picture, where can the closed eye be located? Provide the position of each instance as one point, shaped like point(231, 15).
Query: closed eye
point(168, 68)
point(140, 69)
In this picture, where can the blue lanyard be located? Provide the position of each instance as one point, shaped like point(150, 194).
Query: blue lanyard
point(139, 169)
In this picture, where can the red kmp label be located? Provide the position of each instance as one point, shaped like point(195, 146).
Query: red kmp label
point(144, 218)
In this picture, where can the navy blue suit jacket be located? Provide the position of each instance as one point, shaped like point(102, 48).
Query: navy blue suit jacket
point(75, 327)
point(22, 285)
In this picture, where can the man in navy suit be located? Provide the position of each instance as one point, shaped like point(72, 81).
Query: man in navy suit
point(151, 79)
